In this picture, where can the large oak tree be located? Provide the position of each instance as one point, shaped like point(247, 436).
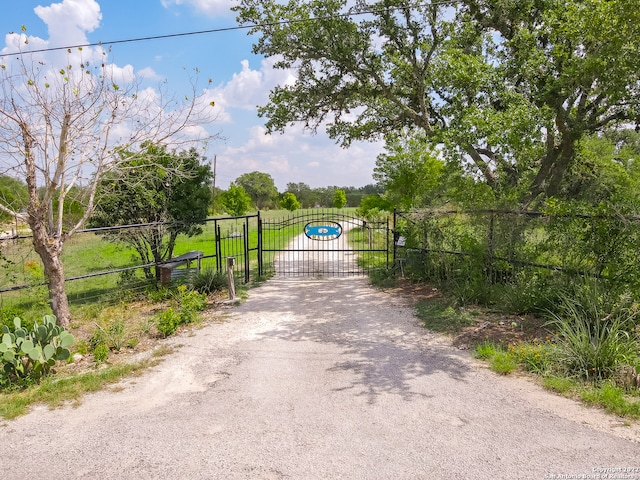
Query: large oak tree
point(506, 88)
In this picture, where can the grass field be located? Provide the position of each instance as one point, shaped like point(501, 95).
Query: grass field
point(93, 255)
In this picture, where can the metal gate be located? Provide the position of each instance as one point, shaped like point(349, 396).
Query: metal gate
point(323, 243)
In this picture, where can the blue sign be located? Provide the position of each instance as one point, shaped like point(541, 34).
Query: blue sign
point(325, 231)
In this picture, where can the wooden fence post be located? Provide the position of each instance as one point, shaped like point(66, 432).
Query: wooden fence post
point(232, 286)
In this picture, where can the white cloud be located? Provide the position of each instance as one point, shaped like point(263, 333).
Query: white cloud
point(297, 156)
point(68, 23)
point(69, 20)
point(149, 74)
point(208, 7)
point(250, 88)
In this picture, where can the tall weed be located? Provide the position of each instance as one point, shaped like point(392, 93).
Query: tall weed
point(593, 338)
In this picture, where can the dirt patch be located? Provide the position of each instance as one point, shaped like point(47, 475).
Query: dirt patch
point(146, 341)
point(484, 325)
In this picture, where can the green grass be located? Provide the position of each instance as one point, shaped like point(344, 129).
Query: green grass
point(86, 253)
point(605, 394)
point(56, 391)
point(500, 360)
point(440, 317)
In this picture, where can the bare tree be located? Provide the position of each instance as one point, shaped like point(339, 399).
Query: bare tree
point(61, 127)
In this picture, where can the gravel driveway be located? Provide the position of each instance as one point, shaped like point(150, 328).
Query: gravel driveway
point(319, 379)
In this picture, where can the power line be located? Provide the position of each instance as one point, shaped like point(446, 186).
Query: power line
point(222, 29)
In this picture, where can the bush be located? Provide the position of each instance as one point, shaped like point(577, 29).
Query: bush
point(185, 305)
point(112, 335)
point(101, 353)
point(167, 322)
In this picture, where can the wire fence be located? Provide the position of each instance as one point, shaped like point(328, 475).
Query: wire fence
point(525, 249)
point(103, 265)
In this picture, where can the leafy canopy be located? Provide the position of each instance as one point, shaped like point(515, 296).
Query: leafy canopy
point(289, 202)
point(506, 89)
point(235, 200)
point(170, 190)
point(260, 187)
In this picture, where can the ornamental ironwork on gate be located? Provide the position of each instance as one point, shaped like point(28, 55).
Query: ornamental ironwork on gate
point(323, 243)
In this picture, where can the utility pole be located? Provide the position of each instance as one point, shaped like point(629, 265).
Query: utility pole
point(213, 194)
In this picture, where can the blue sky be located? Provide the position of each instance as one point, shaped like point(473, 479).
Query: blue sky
point(240, 80)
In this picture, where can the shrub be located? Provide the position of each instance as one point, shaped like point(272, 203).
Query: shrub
point(185, 305)
point(167, 322)
point(485, 350)
point(190, 303)
point(101, 353)
point(113, 335)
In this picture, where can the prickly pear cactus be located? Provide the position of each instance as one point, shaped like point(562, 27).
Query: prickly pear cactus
point(32, 353)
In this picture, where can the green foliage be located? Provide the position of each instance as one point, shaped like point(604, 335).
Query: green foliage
point(537, 357)
point(235, 201)
point(503, 91)
point(113, 335)
point(7, 315)
point(167, 322)
point(499, 360)
point(612, 399)
point(169, 190)
point(411, 174)
point(101, 353)
point(440, 317)
point(260, 187)
point(185, 307)
point(485, 350)
point(190, 302)
point(31, 353)
point(13, 195)
point(503, 363)
point(593, 342)
point(209, 280)
point(57, 391)
point(560, 384)
point(289, 202)
point(374, 202)
point(339, 198)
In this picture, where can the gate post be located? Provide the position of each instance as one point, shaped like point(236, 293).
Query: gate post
point(395, 220)
point(245, 238)
point(394, 243)
point(259, 245)
point(230, 277)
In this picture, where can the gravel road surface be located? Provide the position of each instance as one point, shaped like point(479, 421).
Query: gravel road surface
point(319, 379)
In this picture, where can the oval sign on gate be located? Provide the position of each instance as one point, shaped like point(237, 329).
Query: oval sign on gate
point(323, 231)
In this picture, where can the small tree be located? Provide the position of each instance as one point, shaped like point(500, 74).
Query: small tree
point(235, 200)
point(339, 199)
point(260, 187)
point(169, 191)
point(289, 202)
point(58, 128)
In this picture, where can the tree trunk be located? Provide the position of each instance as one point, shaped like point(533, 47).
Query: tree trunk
point(50, 251)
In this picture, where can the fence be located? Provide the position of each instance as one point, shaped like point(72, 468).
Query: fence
point(528, 250)
point(99, 268)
